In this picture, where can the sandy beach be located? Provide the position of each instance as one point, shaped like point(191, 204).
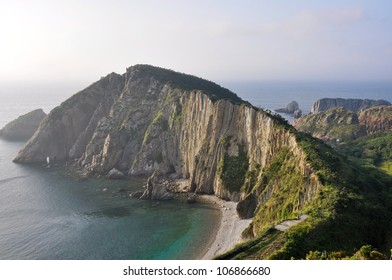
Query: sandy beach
point(231, 226)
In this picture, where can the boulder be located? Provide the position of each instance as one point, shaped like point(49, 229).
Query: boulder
point(155, 191)
point(246, 208)
point(297, 113)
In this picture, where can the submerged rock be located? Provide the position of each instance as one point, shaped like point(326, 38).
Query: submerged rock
point(23, 127)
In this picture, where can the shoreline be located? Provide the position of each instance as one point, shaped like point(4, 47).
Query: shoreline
point(228, 231)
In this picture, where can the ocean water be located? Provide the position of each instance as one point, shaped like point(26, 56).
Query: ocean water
point(274, 95)
point(50, 214)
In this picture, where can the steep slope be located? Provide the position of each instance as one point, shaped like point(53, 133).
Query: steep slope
point(377, 119)
point(354, 105)
point(332, 124)
point(156, 120)
point(23, 127)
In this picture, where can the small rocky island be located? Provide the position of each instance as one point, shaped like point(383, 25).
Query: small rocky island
point(23, 127)
point(292, 108)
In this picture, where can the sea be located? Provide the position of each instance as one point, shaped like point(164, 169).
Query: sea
point(49, 213)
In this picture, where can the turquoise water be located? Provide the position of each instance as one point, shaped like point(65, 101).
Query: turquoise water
point(49, 214)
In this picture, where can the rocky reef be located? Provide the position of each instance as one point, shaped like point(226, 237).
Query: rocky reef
point(23, 127)
point(354, 105)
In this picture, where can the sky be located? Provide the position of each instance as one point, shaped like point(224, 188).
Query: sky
point(63, 41)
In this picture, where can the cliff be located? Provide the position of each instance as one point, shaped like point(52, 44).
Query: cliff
point(23, 127)
point(354, 105)
point(342, 124)
point(331, 125)
point(152, 120)
point(377, 119)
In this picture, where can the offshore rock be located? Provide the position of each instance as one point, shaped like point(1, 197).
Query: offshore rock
point(354, 105)
point(290, 108)
point(23, 127)
point(155, 191)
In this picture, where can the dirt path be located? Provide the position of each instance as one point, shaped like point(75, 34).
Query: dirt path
point(285, 225)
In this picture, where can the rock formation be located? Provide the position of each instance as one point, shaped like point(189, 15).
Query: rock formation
point(155, 191)
point(341, 124)
point(115, 174)
point(290, 108)
point(23, 127)
point(331, 125)
point(354, 105)
point(153, 119)
point(377, 119)
point(156, 121)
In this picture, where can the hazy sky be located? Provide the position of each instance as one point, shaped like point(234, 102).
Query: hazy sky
point(219, 40)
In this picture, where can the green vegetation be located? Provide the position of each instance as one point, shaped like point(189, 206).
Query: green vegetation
point(353, 206)
point(158, 122)
point(189, 82)
point(367, 252)
point(373, 151)
point(284, 178)
point(232, 170)
point(257, 248)
point(335, 123)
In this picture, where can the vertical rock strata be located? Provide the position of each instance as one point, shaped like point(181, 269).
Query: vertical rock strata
point(156, 121)
point(151, 119)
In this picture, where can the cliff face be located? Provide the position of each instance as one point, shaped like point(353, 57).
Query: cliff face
point(377, 119)
point(354, 105)
point(152, 120)
point(339, 123)
point(23, 127)
point(332, 124)
point(143, 122)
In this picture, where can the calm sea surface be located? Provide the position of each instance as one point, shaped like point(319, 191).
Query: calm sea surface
point(49, 214)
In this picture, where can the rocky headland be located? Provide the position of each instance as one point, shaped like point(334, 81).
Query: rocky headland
point(340, 124)
point(354, 105)
point(22, 128)
point(152, 120)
